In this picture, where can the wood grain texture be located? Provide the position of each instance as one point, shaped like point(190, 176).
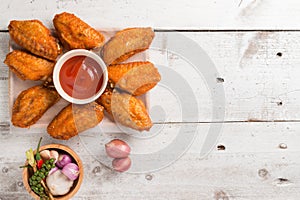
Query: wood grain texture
point(258, 70)
point(259, 84)
point(196, 15)
point(252, 161)
point(257, 153)
point(4, 86)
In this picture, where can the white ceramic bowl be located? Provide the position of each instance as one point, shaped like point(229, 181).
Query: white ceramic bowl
point(67, 56)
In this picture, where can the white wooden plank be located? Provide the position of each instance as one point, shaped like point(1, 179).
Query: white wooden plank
point(258, 70)
point(252, 161)
point(249, 148)
point(4, 111)
point(260, 159)
point(177, 14)
point(258, 84)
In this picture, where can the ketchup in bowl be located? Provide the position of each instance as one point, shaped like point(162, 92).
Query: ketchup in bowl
point(81, 77)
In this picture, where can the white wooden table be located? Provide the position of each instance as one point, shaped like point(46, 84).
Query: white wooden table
point(254, 45)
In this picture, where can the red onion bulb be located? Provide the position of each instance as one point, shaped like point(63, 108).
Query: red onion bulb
point(71, 170)
point(117, 149)
point(63, 160)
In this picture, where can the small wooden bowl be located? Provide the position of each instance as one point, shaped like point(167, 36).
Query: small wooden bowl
point(60, 149)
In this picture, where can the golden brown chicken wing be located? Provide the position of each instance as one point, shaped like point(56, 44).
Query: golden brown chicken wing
point(75, 33)
point(126, 43)
point(31, 104)
point(74, 119)
point(35, 37)
point(29, 67)
point(126, 109)
point(136, 77)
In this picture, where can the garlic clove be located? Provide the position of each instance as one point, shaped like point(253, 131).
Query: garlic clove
point(54, 154)
point(121, 164)
point(117, 149)
point(45, 154)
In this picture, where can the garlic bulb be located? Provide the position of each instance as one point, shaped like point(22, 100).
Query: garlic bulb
point(58, 183)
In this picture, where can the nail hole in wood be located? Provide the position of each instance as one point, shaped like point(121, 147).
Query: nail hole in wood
point(279, 54)
point(4, 170)
point(221, 147)
point(20, 184)
point(279, 103)
point(221, 195)
point(283, 181)
point(149, 177)
point(263, 173)
point(282, 146)
point(220, 80)
point(96, 170)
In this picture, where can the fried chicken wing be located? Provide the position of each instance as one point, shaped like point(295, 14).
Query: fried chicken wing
point(35, 37)
point(74, 119)
point(126, 43)
point(31, 104)
point(75, 33)
point(126, 109)
point(136, 77)
point(29, 67)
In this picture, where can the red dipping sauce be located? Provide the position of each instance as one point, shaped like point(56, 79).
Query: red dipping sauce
point(81, 77)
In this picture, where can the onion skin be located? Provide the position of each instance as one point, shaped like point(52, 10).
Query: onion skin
point(121, 164)
point(71, 171)
point(117, 149)
point(63, 160)
point(52, 171)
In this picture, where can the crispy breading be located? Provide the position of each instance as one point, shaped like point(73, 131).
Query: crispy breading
point(74, 119)
point(75, 33)
point(31, 104)
point(126, 110)
point(126, 43)
point(136, 78)
point(35, 37)
point(29, 67)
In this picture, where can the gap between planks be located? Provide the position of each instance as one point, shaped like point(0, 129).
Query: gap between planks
point(5, 124)
point(226, 30)
point(214, 30)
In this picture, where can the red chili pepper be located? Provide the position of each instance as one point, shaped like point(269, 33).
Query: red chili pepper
point(38, 158)
point(39, 163)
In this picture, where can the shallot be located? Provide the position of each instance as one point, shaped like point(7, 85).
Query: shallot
point(117, 149)
point(71, 171)
point(63, 159)
point(121, 164)
point(52, 170)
